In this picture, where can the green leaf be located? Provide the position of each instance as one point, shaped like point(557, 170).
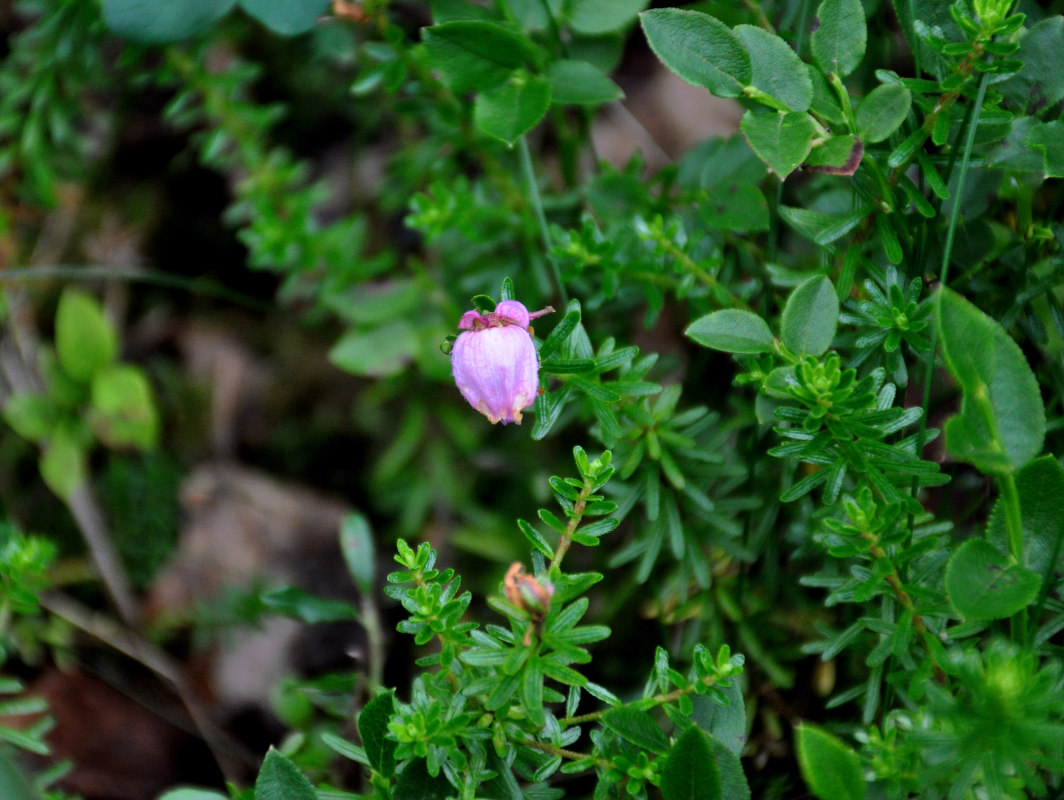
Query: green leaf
point(152, 21)
point(733, 331)
point(1048, 139)
point(123, 407)
point(735, 207)
point(297, 604)
point(373, 727)
point(280, 779)
point(724, 723)
point(983, 583)
point(63, 463)
point(415, 783)
point(561, 332)
point(191, 794)
point(508, 111)
point(286, 17)
point(13, 784)
point(776, 69)
point(883, 111)
point(475, 54)
point(839, 36)
point(84, 340)
point(839, 155)
point(690, 771)
point(376, 353)
point(1001, 425)
point(33, 416)
point(637, 727)
point(595, 17)
point(699, 48)
point(732, 778)
point(810, 316)
point(1040, 486)
point(831, 769)
point(1040, 84)
point(356, 542)
point(580, 83)
point(781, 140)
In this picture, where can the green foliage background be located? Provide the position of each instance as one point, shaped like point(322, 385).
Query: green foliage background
point(817, 365)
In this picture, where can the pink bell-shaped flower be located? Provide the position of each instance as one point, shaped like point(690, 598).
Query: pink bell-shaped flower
point(494, 361)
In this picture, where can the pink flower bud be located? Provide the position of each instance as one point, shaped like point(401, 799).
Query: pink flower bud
point(494, 361)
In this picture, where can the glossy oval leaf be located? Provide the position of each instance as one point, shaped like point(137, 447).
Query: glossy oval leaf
point(782, 140)
point(883, 111)
point(832, 771)
point(810, 316)
point(733, 331)
point(286, 17)
point(1001, 425)
point(155, 22)
point(699, 48)
point(839, 36)
point(984, 583)
point(776, 69)
point(85, 341)
point(690, 771)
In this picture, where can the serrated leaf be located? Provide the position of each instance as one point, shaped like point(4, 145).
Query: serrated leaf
point(280, 779)
point(699, 48)
point(782, 140)
point(373, 727)
point(776, 69)
point(690, 771)
point(839, 36)
point(637, 727)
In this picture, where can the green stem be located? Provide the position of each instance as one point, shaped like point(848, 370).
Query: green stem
point(547, 747)
point(658, 700)
point(689, 264)
point(1010, 497)
point(541, 218)
point(947, 252)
